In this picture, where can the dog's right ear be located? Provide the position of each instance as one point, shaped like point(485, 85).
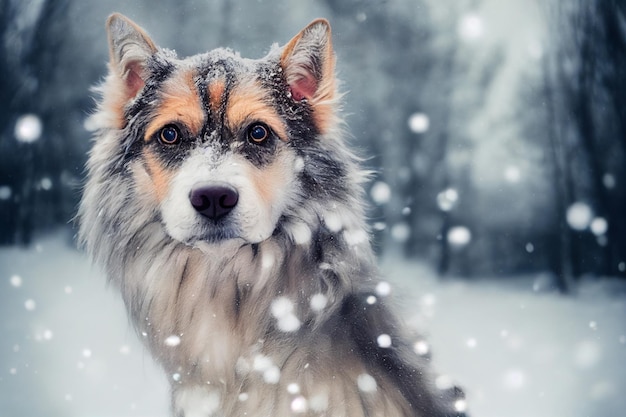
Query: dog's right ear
point(129, 49)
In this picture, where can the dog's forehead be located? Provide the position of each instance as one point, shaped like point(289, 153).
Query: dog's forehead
point(224, 63)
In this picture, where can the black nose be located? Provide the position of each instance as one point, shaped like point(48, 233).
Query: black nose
point(213, 200)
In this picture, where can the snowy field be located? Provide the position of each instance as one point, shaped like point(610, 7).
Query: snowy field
point(67, 349)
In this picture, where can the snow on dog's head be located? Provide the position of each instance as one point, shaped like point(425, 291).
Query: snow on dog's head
point(216, 146)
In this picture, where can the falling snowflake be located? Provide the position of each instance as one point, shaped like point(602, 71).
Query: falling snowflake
point(271, 375)
point(282, 310)
point(172, 340)
point(459, 236)
point(579, 216)
point(380, 193)
point(599, 226)
point(400, 232)
point(30, 304)
point(355, 237)
point(609, 181)
point(471, 27)
point(512, 174)
point(5, 192)
point(16, 281)
point(384, 340)
point(447, 199)
point(293, 388)
point(28, 128)
point(281, 306)
point(45, 183)
point(366, 383)
point(444, 382)
point(460, 406)
point(333, 222)
point(419, 123)
point(383, 288)
point(299, 405)
point(421, 347)
point(318, 302)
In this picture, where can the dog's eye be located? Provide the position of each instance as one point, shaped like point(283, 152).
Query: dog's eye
point(169, 135)
point(258, 133)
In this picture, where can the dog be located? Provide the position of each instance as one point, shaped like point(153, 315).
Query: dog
point(223, 202)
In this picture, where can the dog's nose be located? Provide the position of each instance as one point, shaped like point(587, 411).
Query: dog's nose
point(213, 200)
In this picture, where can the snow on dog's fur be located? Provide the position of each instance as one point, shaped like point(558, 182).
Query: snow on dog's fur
point(226, 208)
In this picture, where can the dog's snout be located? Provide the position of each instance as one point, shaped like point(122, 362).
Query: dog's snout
point(213, 200)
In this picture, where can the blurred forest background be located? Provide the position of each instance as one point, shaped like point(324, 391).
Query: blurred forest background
point(497, 128)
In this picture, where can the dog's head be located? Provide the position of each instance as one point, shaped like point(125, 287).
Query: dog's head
point(216, 146)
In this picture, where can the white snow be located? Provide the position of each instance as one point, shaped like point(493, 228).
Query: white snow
point(383, 289)
point(293, 388)
point(16, 280)
point(471, 27)
point(512, 174)
point(384, 340)
point(400, 232)
point(579, 216)
point(5, 192)
point(536, 354)
point(599, 226)
point(271, 375)
point(366, 383)
point(380, 192)
point(609, 181)
point(421, 347)
point(45, 184)
point(447, 199)
point(318, 302)
point(172, 340)
point(282, 310)
point(28, 128)
point(419, 123)
point(299, 405)
point(459, 236)
point(517, 352)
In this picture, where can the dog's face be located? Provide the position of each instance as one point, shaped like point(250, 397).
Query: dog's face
point(215, 145)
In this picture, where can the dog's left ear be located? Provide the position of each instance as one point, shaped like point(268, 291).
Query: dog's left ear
point(308, 63)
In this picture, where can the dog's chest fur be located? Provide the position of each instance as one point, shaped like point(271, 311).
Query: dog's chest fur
point(213, 320)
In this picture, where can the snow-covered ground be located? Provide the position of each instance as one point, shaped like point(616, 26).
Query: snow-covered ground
point(67, 349)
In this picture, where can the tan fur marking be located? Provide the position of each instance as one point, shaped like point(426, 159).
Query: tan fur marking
point(159, 175)
point(247, 104)
point(216, 92)
point(180, 103)
point(269, 180)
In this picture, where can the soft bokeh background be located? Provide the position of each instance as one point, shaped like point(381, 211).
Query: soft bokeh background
point(498, 133)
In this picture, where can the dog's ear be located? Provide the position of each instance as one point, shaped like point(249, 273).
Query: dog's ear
point(308, 62)
point(129, 49)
